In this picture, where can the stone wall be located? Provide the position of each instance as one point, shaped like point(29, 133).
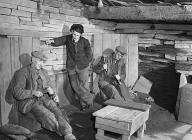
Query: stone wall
point(164, 53)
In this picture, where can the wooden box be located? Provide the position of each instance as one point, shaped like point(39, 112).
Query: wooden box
point(120, 120)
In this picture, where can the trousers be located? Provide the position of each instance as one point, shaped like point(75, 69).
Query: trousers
point(79, 83)
point(50, 116)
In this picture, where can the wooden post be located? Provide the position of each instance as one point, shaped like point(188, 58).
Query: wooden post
point(130, 41)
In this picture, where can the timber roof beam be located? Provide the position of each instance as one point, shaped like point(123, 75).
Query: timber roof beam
point(149, 13)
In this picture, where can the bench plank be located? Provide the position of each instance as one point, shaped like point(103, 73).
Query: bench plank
point(129, 105)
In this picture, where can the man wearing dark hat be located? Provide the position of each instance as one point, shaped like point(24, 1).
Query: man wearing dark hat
point(112, 72)
point(35, 93)
point(79, 56)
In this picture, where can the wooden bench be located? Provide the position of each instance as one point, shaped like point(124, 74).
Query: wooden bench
point(122, 122)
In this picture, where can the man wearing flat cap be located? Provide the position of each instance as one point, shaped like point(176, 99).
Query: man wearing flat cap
point(79, 57)
point(35, 93)
point(111, 69)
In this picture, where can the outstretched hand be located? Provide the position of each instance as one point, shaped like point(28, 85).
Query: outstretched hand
point(38, 94)
point(48, 42)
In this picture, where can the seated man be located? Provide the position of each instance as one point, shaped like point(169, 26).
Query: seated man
point(35, 93)
point(111, 69)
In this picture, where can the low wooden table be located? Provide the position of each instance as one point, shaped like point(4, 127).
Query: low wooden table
point(121, 121)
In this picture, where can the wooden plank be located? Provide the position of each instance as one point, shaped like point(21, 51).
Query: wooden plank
point(183, 45)
point(129, 31)
point(107, 42)
point(5, 76)
point(149, 41)
point(103, 137)
point(97, 45)
point(129, 105)
point(114, 123)
point(70, 12)
point(133, 26)
point(130, 42)
point(15, 64)
point(25, 44)
point(144, 13)
point(169, 42)
point(112, 129)
point(155, 59)
point(102, 23)
point(172, 37)
point(181, 58)
point(123, 115)
point(182, 42)
point(105, 111)
point(163, 32)
point(139, 121)
point(145, 53)
point(178, 27)
point(142, 85)
point(35, 43)
point(146, 35)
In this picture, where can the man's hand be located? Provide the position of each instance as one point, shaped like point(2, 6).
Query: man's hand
point(105, 66)
point(117, 77)
point(50, 91)
point(56, 99)
point(48, 42)
point(37, 94)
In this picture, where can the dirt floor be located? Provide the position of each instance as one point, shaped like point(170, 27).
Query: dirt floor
point(160, 126)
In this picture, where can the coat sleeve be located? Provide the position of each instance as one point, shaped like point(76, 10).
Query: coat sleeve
point(19, 91)
point(88, 51)
point(122, 69)
point(59, 41)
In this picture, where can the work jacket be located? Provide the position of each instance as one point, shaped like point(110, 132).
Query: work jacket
point(25, 82)
point(114, 67)
point(78, 54)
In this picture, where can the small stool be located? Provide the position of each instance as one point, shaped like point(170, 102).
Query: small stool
point(121, 121)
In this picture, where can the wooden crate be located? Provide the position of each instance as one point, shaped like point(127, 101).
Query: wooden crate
point(119, 120)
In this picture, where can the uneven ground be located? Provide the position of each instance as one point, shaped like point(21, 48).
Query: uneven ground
point(160, 126)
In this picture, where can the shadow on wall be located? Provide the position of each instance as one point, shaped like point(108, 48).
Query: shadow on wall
point(25, 59)
point(165, 86)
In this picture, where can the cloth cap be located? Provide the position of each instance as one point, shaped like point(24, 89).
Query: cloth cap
point(121, 49)
point(39, 55)
point(107, 52)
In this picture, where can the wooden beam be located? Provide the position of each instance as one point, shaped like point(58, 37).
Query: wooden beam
point(141, 13)
point(130, 42)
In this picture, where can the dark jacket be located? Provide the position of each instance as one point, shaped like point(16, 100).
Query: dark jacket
point(24, 83)
point(116, 67)
point(80, 56)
